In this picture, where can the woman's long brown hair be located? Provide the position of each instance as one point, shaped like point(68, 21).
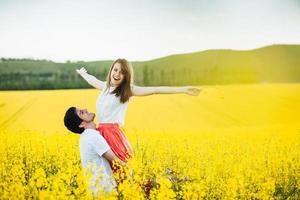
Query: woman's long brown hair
point(124, 89)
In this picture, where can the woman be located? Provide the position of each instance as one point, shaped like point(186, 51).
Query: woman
point(112, 103)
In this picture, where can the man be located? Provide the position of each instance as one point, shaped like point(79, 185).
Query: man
point(95, 153)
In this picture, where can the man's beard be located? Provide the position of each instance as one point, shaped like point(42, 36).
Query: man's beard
point(93, 116)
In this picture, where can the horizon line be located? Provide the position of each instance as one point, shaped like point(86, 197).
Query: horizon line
point(147, 60)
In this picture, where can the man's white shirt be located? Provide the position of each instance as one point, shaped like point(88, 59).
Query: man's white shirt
point(92, 147)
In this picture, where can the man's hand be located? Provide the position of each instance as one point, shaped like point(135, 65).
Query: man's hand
point(82, 70)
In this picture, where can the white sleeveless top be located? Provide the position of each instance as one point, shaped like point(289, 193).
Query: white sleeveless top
point(109, 108)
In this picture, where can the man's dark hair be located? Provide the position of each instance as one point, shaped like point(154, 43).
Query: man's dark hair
point(72, 121)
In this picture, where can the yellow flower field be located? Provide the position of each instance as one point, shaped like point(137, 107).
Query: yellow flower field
point(230, 142)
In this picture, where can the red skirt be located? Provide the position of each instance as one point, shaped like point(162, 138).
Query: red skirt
point(116, 139)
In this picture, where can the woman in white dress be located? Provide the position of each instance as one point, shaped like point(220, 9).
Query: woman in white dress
point(112, 103)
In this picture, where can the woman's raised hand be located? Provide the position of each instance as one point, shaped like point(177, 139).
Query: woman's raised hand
point(82, 70)
point(192, 91)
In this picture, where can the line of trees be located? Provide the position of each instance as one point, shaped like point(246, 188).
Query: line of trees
point(277, 63)
point(145, 76)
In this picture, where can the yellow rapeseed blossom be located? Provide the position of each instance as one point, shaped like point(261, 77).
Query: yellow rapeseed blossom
point(230, 142)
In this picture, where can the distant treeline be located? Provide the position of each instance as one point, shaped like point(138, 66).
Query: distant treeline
point(277, 63)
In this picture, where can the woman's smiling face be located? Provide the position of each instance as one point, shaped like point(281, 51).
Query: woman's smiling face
point(116, 75)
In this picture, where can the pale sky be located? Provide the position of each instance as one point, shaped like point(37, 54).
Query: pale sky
point(142, 29)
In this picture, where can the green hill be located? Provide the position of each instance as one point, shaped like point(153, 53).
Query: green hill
point(276, 63)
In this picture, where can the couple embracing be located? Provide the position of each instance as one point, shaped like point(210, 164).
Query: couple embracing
point(102, 146)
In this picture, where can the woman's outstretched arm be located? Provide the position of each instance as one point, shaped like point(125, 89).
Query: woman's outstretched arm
point(144, 91)
point(92, 80)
